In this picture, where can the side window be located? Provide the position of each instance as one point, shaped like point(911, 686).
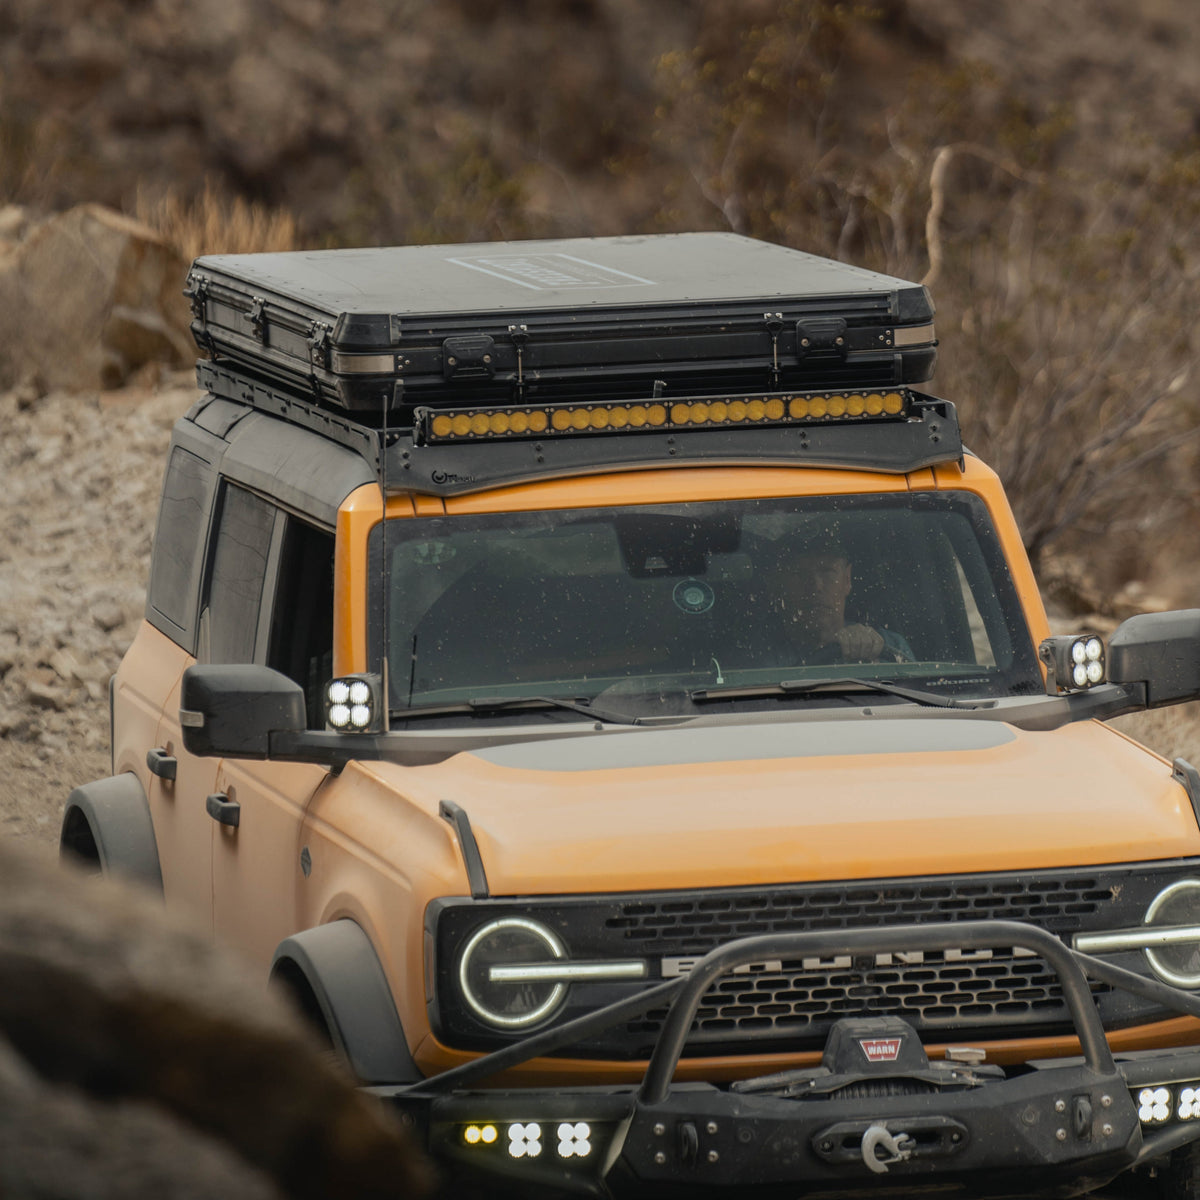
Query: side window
point(239, 567)
point(301, 644)
point(179, 543)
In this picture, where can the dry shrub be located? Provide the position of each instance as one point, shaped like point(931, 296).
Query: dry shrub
point(1062, 289)
point(215, 223)
point(1073, 361)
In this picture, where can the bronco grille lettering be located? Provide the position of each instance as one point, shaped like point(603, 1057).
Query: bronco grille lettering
point(675, 967)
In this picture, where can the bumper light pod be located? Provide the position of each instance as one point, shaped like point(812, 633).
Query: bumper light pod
point(525, 1141)
point(1154, 1105)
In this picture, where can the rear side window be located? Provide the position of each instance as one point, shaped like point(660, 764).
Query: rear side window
point(240, 555)
point(301, 642)
point(179, 541)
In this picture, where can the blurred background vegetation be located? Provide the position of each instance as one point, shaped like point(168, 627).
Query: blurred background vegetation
point(1036, 163)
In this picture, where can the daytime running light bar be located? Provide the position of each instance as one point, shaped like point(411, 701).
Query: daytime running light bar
point(567, 972)
point(573, 420)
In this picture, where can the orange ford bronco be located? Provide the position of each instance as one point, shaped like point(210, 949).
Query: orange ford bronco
point(598, 684)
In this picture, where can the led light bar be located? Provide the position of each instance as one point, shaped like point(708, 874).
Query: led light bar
point(573, 420)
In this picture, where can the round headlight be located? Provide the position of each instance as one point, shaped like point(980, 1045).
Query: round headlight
point(515, 1004)
point(1178, 904)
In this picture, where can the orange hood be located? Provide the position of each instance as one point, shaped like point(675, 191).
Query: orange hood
point(726, 805)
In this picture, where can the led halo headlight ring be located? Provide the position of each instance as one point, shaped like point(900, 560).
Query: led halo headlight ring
point(1154, 956)
point(478, 1007)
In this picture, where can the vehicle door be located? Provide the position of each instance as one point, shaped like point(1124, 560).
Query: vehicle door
point(147, 736)
point(275, 608)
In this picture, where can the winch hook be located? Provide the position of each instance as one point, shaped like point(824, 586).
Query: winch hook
point(896, 1148)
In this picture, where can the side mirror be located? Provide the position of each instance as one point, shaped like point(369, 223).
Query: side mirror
point(231, 711)
point(1160, 651)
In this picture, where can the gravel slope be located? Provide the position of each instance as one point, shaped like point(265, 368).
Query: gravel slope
point(81, 475)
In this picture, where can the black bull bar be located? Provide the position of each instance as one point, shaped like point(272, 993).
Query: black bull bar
point(1068, 1125)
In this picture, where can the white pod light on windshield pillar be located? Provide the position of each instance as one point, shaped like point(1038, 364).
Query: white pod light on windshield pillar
point(354, 704)
point(1073, 663)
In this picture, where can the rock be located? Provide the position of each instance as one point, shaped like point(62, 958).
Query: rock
point(29, 391)
point(108, 616)
point(42, 695)
point(14, 221)
point(48, 1133)
point(12, 723)
point(138, 1061)
point(65, 667)
point(88, 297)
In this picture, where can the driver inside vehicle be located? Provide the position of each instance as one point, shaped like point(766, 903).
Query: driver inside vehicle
point(813, 579)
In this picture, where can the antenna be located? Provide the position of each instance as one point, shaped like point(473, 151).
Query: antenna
point(383, 562)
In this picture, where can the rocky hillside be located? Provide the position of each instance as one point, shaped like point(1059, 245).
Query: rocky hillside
point(1037, 162)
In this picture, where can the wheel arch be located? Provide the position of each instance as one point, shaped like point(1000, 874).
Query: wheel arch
point(107, 823)
point(335, 978)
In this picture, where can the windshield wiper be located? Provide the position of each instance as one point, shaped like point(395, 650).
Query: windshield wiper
point(495, 704)
point(832, 687)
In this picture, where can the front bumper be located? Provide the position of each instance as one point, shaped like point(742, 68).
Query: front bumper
point(1057, 1127)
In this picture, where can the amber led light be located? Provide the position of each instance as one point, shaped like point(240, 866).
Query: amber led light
point(475, 424)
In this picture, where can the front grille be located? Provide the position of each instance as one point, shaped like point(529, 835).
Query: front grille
point(796, 1003)
point(791, 1005)
point(959, 991)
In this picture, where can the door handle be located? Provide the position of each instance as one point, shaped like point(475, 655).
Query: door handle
point(223, 810)
point(161, 763)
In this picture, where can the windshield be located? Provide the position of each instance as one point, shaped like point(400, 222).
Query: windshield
point(627, 606)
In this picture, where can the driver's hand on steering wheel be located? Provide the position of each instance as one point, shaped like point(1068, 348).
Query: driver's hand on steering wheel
point(859, 643)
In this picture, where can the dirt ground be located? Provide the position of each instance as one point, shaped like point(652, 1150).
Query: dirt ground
point(81, 476)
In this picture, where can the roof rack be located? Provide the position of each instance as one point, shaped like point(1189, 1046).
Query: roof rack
point(451, 452)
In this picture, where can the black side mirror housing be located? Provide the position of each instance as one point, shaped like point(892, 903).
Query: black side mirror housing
point(231, 711)
point(1160, 651)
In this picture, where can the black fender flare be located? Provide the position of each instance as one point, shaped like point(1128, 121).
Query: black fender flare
point(337, 965)
point(108, 823)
